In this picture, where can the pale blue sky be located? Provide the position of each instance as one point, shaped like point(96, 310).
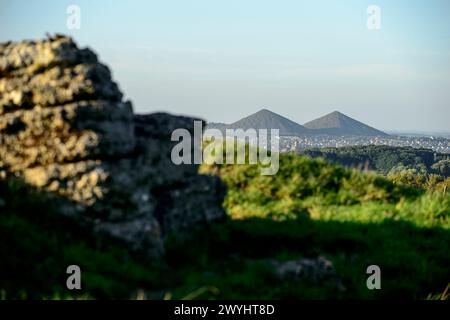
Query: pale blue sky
point(222, 60)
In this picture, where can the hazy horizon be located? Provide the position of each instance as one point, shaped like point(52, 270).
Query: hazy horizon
point(223, 61)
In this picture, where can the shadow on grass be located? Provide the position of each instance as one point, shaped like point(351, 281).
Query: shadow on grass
point(37, 245)
point(413, 261)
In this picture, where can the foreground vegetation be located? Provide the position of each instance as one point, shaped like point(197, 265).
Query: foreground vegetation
point(310, 208)
point(417, 168)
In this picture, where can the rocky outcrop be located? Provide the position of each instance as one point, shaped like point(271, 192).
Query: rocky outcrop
point(65, 128)
point(317, 271)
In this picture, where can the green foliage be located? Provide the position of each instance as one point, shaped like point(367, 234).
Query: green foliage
point(419, 179)
point(383, 159)
point(298, 185)
point(442, 167)
point(355, 219)
point(309, 208)
point(37, 245)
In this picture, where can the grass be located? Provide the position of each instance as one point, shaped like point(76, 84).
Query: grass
point(310, 208)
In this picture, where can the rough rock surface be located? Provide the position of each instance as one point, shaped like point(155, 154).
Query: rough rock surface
point(317, 271)
point(64, 128)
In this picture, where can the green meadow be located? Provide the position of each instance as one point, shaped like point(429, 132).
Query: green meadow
point(310, 208)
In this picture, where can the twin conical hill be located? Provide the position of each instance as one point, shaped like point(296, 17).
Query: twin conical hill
point(335, 123)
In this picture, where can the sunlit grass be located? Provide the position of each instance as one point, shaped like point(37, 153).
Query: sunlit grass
point(309, 208)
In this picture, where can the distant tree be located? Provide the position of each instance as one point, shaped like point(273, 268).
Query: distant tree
point(419, 179)
point(442, 167)
point(384, 159)
point(408, 176)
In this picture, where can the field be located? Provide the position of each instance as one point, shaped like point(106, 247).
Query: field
point(310, 209)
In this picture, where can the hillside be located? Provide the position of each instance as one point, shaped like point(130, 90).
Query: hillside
point(334, 124)
point(311, 211)
point(312, 207)
point(266, 119)
point(337, 123)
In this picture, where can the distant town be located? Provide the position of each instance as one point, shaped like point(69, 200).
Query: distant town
point(293, 143)
point(332, 130)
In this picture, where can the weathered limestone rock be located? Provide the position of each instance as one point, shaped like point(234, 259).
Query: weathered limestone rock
point(57, 86)
point(64, 128)
point(30, 56)
point(69, 132)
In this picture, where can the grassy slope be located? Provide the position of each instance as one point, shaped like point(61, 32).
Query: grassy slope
point(309, 208)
